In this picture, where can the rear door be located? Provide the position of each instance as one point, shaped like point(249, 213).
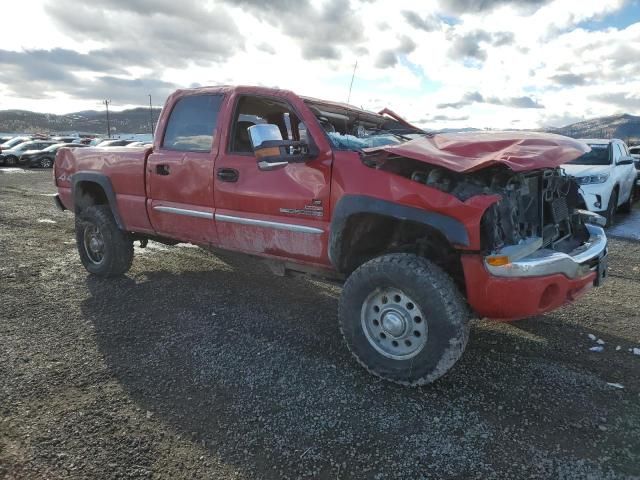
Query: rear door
point(626, 173)
point(179, 174)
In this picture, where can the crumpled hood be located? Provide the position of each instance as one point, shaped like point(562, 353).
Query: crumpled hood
point(468, 152)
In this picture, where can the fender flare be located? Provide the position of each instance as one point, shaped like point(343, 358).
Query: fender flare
point(452, 229)
point(105, 183)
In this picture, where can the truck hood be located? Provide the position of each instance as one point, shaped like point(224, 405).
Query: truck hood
point(468, 152)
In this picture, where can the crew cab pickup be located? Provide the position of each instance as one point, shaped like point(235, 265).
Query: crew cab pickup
point(426, 231)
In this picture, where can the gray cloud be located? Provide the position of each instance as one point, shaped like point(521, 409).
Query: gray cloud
point(467, 99)
point(321, 32)
point(428, 24)
point(480, 6)
point(622, 100)
point(568, 79)
point(470, 98)
point(150, 33)
point(386, 58)
point(389, 57)
point(265, 47)
point(470, 45)
point(38, 74)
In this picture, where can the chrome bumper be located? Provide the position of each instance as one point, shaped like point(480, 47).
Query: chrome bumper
point(549, 262)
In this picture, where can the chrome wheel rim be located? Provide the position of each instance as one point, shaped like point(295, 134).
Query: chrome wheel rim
point(94, 244)
point(45, 163)
point(394, 324)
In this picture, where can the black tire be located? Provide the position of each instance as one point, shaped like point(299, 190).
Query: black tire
point(11, 161)
point(432, 291)
point(627, 206)
point(612, 207)
point(46, 162)
point(96, 224)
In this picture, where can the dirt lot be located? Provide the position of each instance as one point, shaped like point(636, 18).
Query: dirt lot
point(197, 366)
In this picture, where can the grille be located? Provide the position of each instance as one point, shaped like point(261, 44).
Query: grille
point(559, 210)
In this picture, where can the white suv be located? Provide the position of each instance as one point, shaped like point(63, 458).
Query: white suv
point(606, 176)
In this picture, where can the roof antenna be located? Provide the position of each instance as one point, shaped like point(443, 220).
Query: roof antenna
point(352, 77)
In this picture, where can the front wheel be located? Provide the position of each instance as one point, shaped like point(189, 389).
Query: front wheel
point(11, 161)
point(627, 206)
point(612, 206)
point(404, 319)
point(104, 249)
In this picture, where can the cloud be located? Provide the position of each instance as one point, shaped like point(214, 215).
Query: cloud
point(321, 32)
point(389, 57)
point(150, 33)
point(39, 74)
point(386, 59)
point(470, 98)
point(428, 24)
point(623, 100)
point(482, 6)
point(472, 45)
point(568, 79)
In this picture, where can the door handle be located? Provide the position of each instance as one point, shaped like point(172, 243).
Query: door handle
point(162, 169)
point(228, 174)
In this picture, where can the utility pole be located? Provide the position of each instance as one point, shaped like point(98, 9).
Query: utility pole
point(151, 115)
point(106, 104)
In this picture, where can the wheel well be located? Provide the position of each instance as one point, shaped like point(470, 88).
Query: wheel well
point(368, 235)
point(87, 194)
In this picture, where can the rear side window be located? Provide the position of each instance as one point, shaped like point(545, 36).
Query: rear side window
point(192, 123)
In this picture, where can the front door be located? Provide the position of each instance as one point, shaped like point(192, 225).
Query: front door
point(179, 174)
point(283, 212)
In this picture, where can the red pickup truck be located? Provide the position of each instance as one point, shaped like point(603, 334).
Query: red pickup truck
point(426, 231)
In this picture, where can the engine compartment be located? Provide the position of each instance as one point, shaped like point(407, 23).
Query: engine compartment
point(539, 204)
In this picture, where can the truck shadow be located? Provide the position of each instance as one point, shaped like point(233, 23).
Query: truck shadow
point(253, 368)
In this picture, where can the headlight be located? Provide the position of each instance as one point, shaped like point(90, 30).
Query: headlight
point(592, 179)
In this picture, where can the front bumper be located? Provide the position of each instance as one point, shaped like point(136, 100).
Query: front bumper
point(538, 283)
point(596, 196)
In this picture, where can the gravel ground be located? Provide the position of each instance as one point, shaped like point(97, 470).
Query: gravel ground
point(203, 366)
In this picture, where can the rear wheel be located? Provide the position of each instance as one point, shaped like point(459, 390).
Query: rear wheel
point(404, 319)
point(612, 206)
point(104, 249)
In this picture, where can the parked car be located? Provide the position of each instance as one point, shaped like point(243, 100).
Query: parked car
point(606, 176)
point(139, 144)
point(411, 226)
point(115, 143)
point(46, 157)
point(63, 139)
point(11, 156)
point(13, 142)
point(635, 153)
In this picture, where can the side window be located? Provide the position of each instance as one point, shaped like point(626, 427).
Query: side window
point(192, 123)
point(617, 153)
point(251, 111)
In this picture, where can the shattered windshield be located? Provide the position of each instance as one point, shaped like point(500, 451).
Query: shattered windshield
point(351, 129)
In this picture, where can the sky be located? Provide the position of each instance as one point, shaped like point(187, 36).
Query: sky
point(438, 63)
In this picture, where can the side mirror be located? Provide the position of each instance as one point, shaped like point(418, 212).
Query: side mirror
point(272, 151)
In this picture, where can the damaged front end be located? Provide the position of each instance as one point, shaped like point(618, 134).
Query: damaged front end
point(536, 215)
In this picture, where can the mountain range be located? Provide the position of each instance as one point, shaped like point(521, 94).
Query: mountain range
point(137, 120)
